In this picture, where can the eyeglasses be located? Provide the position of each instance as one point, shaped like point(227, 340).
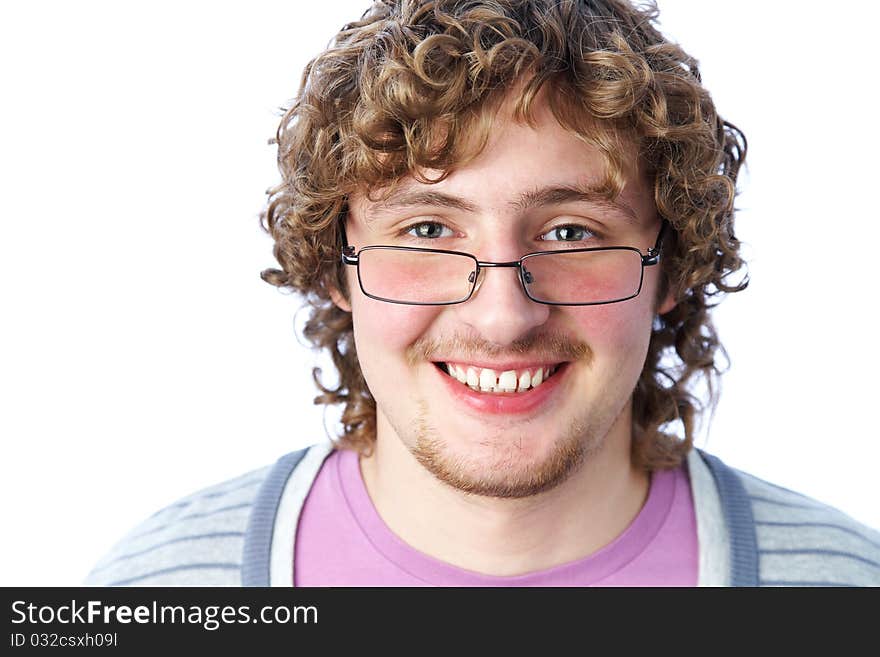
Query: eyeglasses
point(436, 277)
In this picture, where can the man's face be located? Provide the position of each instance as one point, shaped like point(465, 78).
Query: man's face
point(498, 208)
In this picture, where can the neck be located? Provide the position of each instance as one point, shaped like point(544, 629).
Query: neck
point(496, 536)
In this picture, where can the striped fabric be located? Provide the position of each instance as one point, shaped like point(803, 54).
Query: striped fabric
point(196, 541)
point(801, 542)
point(751, 532)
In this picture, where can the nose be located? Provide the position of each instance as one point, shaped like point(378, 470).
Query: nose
point(499, 310)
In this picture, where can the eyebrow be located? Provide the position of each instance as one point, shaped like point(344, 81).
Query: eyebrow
point(559, 194)
point(535, 198)
point(413, 198)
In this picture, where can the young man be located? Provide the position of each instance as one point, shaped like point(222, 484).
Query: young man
point(510, 220)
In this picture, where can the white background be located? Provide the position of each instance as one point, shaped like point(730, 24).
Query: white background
point(142, 358)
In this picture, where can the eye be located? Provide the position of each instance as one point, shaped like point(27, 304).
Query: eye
point(568, 233)
point(429, 230)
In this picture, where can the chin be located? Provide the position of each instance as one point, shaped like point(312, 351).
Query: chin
point(504, 465)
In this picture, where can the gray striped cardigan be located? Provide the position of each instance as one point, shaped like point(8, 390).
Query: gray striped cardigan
point(242, 532)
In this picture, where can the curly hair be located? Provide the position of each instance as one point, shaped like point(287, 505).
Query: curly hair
point(408, 87)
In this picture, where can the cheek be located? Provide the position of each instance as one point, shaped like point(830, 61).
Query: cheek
point(383, 331)
point(615, 332)
point(620, 332)
point(384, 327)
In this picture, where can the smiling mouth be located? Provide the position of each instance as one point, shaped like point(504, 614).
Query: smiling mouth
point(483, 379)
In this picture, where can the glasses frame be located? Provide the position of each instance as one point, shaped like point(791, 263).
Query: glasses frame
point(350, 256)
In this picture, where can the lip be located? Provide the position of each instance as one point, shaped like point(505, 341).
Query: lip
point(501, 367)
point(504, 403)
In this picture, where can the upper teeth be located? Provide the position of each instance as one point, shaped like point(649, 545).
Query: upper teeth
point(488, 380)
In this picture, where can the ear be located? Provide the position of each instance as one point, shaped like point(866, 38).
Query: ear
point(339, 299)
point(666, 304)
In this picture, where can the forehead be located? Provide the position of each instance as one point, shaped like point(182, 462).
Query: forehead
point(519, 164)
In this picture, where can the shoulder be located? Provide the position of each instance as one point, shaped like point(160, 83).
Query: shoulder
point(198, 540)
point(797, 540)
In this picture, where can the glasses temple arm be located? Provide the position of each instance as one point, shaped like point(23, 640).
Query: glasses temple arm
point(348, 252)
point(652, 257)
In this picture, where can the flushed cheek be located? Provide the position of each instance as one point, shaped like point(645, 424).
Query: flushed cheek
point(618, 338)
point(382, 333)
point(616, 333)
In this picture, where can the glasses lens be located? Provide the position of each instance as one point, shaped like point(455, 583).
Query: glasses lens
point(583, 277)
point(410, 276)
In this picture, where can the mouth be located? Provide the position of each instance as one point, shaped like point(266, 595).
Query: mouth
point(513, 389)
point(498, 381)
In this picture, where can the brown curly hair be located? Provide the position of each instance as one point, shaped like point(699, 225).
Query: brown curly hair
point(408, 88)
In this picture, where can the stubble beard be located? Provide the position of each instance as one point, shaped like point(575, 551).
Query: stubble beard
point(501, 465)
point(505, 472)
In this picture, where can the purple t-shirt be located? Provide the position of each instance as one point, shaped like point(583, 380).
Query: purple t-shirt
point(342, 541)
